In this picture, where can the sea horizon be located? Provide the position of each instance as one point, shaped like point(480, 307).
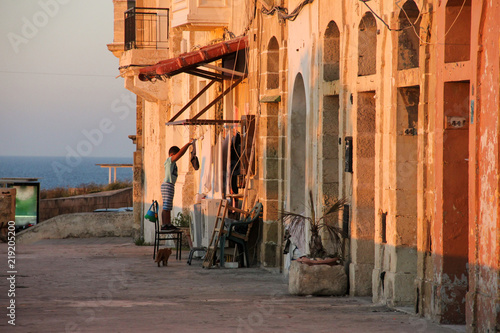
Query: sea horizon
point(63, 171)
point(2, 155)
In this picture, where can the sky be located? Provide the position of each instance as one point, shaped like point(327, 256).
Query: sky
point(59, 94)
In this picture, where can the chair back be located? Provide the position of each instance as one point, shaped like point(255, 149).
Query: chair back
point(253, 216)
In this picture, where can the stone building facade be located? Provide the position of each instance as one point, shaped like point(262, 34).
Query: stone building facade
point(393, 105)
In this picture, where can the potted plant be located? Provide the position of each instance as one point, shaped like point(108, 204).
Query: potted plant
point(320, 272)
point(183, 222)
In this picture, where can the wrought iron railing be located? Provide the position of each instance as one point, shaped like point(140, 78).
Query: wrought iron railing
point(146, 28)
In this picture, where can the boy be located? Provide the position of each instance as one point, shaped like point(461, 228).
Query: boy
point(168, 186)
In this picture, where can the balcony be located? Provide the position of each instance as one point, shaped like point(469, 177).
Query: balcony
point(200, 14)
point(146, 28)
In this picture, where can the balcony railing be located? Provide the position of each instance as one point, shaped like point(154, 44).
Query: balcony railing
point(146, 28)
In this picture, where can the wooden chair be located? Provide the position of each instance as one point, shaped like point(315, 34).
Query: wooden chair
point(175, 235)
point(236, 232)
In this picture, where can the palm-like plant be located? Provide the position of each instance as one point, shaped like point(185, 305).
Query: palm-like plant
point(316, 224)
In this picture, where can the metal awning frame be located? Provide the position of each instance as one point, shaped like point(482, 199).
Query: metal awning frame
point(198, 63)
point(192, 60)
point(199, 94)
point(198, 122)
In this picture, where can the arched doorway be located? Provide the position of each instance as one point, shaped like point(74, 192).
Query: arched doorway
point(297, 147)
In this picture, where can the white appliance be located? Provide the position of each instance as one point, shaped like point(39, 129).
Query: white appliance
point(209, 209)
point(196, 223)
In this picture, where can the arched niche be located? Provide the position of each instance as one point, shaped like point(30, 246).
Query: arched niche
point(367, 45)
point(331, 53)
point(457, 30)
point(408, 40)
point(273, 61)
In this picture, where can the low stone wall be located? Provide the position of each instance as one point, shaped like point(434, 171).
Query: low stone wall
point(80, 225)
point(85, 203)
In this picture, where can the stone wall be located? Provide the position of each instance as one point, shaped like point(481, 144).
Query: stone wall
point(80, 225)
point(85, 203)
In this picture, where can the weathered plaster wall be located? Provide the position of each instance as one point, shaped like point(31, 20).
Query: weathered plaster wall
point(483, 297)
point(449, 236)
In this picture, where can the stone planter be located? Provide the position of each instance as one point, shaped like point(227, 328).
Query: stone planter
point(324, 280)
point(327, 261)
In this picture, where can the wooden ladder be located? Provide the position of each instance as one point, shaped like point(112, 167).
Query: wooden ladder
point(208, 262)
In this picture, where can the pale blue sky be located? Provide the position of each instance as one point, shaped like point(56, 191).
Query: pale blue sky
point(58, 90)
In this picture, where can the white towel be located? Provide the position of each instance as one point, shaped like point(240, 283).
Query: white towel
point(206, 165)
point(218, 168)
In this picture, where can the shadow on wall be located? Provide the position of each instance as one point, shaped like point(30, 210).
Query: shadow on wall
point(433, 285)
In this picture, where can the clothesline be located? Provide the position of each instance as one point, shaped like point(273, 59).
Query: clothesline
point(219, 164)
point(219, 174)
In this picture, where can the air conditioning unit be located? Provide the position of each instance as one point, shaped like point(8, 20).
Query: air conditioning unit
point(209, 209)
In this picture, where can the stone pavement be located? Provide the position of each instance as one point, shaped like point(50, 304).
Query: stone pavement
point(111, 285)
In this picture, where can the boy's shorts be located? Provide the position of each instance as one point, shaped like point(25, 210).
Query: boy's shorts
point(167, 193)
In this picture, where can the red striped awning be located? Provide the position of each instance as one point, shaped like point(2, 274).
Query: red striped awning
point(190, 61)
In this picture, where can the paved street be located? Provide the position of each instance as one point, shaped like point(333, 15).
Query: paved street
point(111, 285)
